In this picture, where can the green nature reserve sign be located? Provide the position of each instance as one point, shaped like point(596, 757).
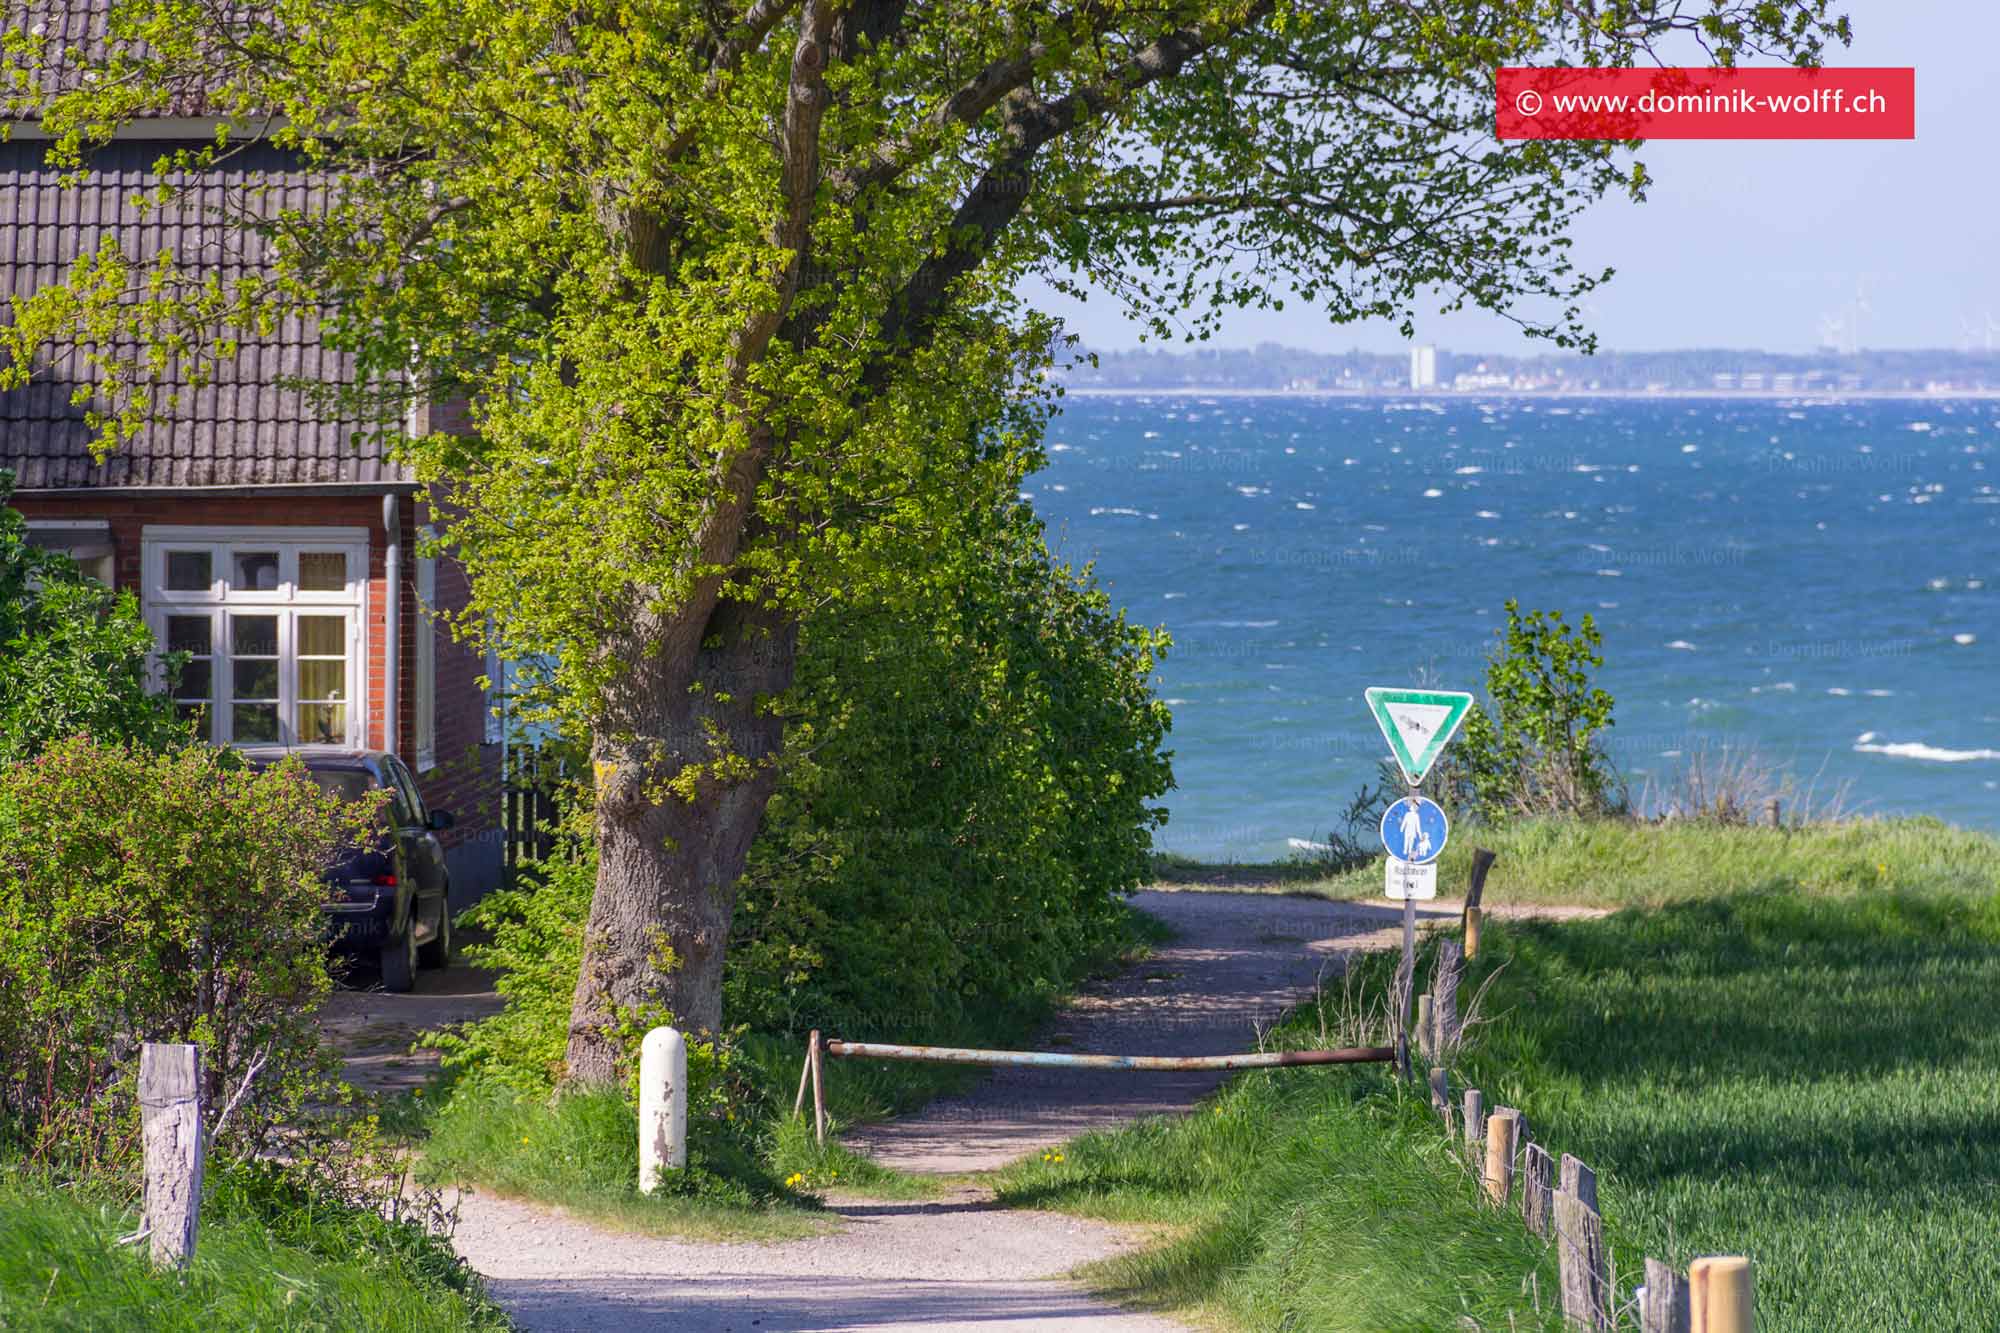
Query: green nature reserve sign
point(1417, 724)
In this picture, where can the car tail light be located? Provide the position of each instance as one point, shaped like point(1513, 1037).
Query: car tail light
point(386, 881)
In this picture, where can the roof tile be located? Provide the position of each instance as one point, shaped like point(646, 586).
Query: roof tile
point(232, 432)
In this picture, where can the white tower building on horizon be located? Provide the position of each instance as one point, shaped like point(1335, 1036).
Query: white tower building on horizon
point(1423, 366)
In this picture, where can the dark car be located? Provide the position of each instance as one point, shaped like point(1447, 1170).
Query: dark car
point(389, 902)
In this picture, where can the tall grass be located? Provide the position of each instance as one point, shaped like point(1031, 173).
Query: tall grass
point(262, 1262)
point(1300, 1199)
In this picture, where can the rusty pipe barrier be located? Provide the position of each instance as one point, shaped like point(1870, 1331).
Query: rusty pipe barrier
point(961, 1055)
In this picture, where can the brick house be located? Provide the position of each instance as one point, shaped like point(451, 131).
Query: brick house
point(258, 537)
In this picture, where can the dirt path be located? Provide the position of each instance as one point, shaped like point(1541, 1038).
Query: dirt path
point(1240, 959)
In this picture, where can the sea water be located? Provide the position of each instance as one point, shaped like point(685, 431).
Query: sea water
point(1817, 580)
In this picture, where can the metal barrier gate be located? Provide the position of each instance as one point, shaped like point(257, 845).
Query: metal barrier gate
point(817, 1048)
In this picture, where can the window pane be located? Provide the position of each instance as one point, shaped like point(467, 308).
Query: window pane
point(322, 724)
point(323, 680)
point(348, 785)
point(253, 636)
point(254, 722)
point(190, 634)
point(254, 678)
point(189, 571)
point(256, 571)
point(322, 636)
point(322, 571)
point(190, 712)
point(197, 680)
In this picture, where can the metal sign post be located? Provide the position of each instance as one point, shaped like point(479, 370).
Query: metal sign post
point(1418, 724)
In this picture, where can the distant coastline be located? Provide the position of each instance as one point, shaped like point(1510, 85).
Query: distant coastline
point(1701, 373)
point(1572, 395)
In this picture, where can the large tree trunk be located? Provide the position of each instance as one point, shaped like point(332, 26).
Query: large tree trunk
point(667, 865)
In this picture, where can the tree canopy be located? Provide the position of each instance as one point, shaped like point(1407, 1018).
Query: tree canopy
point(732, 289)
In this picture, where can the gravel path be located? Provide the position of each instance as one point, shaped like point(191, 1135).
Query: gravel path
point(1240, 959)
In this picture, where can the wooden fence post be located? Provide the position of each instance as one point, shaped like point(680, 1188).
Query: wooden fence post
point(1722, 1296)
point(1579, 1180)
point(1475, 1121)
point(1538, 1174)
point(170, 1119)
point(1427, 1027)
point(816, 1054)
point(1665, 1308)
point(1503, 1130)
point(1441, 1096)
point(1482, 861)
point(1580, 1254)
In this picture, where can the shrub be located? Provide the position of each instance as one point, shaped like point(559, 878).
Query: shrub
point(77, 655)
point(968, 797)
point(158, 897)
point(1535, 747)
point(965, 800)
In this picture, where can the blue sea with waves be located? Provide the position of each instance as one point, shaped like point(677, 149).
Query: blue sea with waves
point(1819, 580)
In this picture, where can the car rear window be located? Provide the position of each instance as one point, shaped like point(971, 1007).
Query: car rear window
point(347, 784)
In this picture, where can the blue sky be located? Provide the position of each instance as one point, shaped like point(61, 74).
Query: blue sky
point(1757, 244)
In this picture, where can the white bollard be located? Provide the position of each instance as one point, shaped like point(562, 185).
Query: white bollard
point(663, 1105)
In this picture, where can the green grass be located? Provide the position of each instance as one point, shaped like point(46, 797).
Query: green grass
point(265, 1259)
point(1624, 863)
point(1809, 1081)
point(1298, 1199)
point(581, 1152)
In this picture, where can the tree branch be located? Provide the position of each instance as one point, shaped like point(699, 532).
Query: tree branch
point(1000, 194)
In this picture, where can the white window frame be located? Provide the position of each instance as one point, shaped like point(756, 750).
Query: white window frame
point(423, 690)
point(287, 601)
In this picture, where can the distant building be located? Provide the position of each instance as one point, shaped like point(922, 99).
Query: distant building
point(1424, 367)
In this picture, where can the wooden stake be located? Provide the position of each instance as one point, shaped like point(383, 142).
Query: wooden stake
point(1503, 1129)
point(1665, 1309)
point(1581, 1257)
point(1579, 1180)
point(1537, 1189)
point(819, 1088)
point(1475, 1120)
point(1426, 1027)
point(1475, 892)
point(1441, 1096)
point(1722, 1296)
point(170, 1118)
point(805, 1077)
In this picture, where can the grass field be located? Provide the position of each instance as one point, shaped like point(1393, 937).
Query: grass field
point(1808, 1081)
point(1625, 863)
point(260, 1263)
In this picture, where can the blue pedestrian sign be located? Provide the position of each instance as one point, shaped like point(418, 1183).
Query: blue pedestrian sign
point(1414, 829)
